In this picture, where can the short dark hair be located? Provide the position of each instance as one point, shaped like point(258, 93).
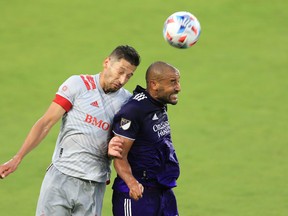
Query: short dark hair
point(128, 53)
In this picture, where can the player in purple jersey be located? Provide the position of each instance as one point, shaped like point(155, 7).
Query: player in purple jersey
point(148, 168)
point(75, 182)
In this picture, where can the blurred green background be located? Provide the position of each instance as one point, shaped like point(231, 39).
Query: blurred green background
point(229, 127)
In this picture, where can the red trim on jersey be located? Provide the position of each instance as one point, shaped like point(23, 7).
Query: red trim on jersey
point(85, 82)
point(88, 81)
point(92, 81)
point(63, 102)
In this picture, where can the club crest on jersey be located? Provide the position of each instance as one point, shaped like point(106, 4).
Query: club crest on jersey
point(64, 88)
point(125, 124)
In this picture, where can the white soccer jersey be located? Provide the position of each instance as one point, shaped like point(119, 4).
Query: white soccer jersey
point(81, 148)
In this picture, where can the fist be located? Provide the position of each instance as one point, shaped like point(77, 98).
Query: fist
point(115, 147)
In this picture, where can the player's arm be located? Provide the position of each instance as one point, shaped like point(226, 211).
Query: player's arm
point(115, 147)
point(37, 133)
point(123, 169)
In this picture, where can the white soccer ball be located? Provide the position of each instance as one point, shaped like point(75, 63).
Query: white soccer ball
point(181, 29)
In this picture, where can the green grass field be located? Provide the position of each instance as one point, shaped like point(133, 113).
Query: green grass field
point(229, 127)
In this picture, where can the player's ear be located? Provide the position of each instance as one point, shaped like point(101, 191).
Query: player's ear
point(106, 62)
point(154, 85)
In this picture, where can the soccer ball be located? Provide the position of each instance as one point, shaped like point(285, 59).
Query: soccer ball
point(181, 29)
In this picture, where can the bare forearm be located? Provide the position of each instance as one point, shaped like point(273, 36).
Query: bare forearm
point(37, 133)
point(34, 137)
point(123, 169)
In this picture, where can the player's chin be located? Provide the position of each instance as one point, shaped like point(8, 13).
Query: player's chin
point(116, 87)
point(173, 99)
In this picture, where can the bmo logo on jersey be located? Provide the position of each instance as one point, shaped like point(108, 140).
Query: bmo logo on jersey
point(97, 122)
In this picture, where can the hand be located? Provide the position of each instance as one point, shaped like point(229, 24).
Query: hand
point(136, 190)
point(115, 147)
point(9, 167)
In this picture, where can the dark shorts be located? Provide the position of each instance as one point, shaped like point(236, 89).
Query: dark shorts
point(154, 202)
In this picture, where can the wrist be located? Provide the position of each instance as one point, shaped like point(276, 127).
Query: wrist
point(132, 183)
point(18, 158)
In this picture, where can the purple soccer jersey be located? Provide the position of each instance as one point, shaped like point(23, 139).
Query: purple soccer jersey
point(152, 156)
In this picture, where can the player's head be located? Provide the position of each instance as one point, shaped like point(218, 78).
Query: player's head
point(118, 68)
point(163, 82)
point(127, 53)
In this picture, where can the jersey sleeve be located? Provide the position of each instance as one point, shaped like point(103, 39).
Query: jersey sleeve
point(68, 91)
point(63, 102)
point(127, 121)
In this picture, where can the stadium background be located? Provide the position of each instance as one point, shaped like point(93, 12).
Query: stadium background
point(229, 128)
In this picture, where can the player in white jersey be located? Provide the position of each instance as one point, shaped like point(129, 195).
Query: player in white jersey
point(75, 182)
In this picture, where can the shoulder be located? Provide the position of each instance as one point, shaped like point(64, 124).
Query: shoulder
point(124, 93)
point(140, 98)
point(137, 104)
point(120, 97)
point(76, 85)
point(85, 82)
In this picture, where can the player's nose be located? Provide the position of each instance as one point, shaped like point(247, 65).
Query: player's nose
point(178, 87)
point(122, 79)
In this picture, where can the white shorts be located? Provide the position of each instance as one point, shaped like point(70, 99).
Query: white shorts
point(63, 195)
